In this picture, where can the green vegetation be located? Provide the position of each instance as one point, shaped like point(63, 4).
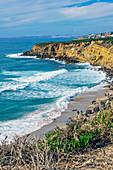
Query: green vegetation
point(107, 39)
point(106, 120)
point(55, 141)
point(61, 145)
point(65, 143)
point(44, 44)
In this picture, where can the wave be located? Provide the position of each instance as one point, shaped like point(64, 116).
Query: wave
point(19, 55)
point(63, 102)
point(83, 64)
point(41, 76)
point(61, 62)
point(36, 120)
point(32, 123)
point(12, 87)
point(10, 72)
point(26, 80)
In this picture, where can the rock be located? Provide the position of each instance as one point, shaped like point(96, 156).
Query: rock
point(110, 98)
point(88, 112)
point(85, 120)
point(73, 52)
point(112, 83)
point(94, 102)
point(111, 88)
point(74, 110)
point(96, 109)
point(108, 104)
point(88, 115)
point(101, 105)
point(108, 86)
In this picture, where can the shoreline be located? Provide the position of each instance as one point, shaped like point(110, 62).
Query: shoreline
point(80, 102)
point(71, 111)
point(91, 94)
point(55, 121)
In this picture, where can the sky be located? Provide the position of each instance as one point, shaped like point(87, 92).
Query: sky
point(55, 17)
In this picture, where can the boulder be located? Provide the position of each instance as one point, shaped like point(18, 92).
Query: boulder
point(111, 88)
point(96, 109)
point(107, 86)
point(102, 105)
point(94, 102)
point(89, 112)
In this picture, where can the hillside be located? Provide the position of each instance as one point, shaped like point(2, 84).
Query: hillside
point(96, 52)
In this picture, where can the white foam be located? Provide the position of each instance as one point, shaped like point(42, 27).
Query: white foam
point(38, 119)
point(61, 62)
point(22, 127)
point(41, 76)
point(19, 55)
point(10, 72)
point(63, 102)
point(25, 80)
point(83, 64)
point(12, 87)
point(35, 120)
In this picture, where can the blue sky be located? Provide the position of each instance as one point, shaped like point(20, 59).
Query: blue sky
point(55, 17)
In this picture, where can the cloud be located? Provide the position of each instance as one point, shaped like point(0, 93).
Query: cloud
point(96, 10)
point(22, 12)
point(14, 12)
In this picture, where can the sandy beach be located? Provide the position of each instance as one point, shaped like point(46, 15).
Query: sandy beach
point(78, 103)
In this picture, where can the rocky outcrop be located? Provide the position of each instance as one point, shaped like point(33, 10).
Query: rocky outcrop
point(102, 104)
point(96, 52)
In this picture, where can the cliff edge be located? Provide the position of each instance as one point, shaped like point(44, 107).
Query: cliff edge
point(99, 52)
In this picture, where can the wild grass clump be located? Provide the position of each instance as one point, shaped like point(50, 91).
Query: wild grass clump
point(60, 140)
point(79, 135)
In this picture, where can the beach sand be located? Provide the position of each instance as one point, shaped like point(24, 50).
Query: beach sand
point(78, 103)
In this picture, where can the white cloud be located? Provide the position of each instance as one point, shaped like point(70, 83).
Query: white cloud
point(19, 12)
point(32, 10)
point(95, 10)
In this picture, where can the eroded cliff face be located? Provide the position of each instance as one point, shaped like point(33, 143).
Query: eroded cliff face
point(95, 52)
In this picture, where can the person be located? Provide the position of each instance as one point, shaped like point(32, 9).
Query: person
point(81, 111)
point(78, 112)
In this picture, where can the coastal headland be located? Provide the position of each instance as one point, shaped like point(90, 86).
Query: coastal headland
point(95, 51)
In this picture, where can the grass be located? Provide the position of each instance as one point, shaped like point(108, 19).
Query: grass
point(56, 140)
point(107, 39)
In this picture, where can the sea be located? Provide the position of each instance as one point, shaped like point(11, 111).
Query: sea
point(33, 92)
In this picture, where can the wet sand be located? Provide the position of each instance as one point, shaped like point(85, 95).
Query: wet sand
point(78, 103)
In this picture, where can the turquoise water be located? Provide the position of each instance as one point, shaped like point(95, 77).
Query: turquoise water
point(32, 91)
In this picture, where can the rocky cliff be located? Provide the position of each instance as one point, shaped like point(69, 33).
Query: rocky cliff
point(98, 52)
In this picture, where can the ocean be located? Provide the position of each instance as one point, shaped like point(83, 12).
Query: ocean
point(34, 91)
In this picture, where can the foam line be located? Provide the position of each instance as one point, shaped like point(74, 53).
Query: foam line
point(19, 55)
point(41, 76)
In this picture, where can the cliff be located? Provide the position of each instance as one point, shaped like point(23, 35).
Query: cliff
point(99, 52)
